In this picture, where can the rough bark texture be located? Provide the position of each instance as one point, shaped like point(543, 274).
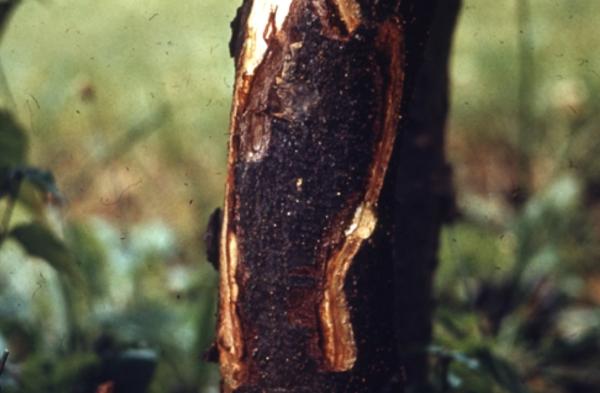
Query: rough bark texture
point(333, 203)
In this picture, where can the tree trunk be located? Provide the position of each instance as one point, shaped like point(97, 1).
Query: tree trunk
point(336, 190)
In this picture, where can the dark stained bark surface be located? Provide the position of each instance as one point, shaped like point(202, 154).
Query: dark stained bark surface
point(309, 147)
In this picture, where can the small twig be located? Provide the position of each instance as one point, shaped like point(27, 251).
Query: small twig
point(3, 360)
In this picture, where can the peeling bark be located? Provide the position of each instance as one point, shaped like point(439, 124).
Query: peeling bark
point(307, 246)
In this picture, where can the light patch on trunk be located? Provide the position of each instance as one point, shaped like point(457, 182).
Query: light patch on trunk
point(340, 348)
point(229, 331)
point(264, 21)
point(265, 16)
point(338, 336)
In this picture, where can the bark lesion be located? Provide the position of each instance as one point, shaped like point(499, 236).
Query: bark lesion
point(339, 346)
point(275, 93)
point(255, 24)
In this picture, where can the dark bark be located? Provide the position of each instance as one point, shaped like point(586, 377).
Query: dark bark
point(420, 191)
point(326, 255)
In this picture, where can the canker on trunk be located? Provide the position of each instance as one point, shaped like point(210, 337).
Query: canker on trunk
point(306, 246)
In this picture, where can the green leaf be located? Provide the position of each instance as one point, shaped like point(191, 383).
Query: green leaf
point(40, 242)
point(13, 141)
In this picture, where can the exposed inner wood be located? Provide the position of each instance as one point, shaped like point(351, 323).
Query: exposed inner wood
point(229, 330)
point(339, 18)
point(264, 21)
point(250, 134)
point(349, 12)
point(338, 337)
point(265, 18)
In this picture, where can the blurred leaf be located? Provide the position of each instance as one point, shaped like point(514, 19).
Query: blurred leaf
point(43, 181)
point(32, 187)
point(13, 141)
point(552, 205)
point(470, 252)
point(142, 321)
point(91, 256)
point(457, 356)
point(40, 242)
point(31, 199)
point(500, 370)
point(75, 373)
point(22, 337)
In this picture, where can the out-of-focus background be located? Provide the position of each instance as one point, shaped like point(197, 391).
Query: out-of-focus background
point(114, 127)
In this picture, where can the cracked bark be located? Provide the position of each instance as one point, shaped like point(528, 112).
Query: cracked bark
point(336, 190)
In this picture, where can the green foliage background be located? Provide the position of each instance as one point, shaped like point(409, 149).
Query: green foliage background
point(112, 156)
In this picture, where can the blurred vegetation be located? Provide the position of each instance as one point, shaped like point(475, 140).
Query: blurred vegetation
point(112, 153)
point(518, 284)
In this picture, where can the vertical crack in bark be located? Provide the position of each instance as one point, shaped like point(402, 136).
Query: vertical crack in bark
point(265, 19)
point(339, 346)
